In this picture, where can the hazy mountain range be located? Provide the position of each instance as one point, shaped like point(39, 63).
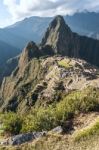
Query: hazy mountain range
point(16, 36)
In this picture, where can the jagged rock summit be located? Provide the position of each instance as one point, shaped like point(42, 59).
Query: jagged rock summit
point(59, 36)
point(30, 51)
point(63, 41)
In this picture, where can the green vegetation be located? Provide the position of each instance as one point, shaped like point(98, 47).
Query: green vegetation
point(11, 123)
point(38, 120)
point(64, 63)
point(46, 118)
point(87, 132)
point(52, 116)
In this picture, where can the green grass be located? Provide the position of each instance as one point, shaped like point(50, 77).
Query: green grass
point(64, 63)
point(88, 132)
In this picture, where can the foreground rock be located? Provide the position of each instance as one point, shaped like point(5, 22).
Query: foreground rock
point(22, 138)
point(58, 130)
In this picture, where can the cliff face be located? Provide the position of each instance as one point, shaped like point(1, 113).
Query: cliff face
point(24, 77)
point(60, 38)
point(30, 51)
point(64, 42)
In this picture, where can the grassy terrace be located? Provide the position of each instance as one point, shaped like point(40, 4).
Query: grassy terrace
point(65, 63)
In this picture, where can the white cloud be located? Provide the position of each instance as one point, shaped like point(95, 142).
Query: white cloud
point(26, 8)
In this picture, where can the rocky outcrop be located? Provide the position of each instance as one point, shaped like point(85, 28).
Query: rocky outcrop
point(30, 51)
point(59, 37)
point(22, 138)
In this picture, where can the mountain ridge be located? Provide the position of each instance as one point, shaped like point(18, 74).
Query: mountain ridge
point(65, 42)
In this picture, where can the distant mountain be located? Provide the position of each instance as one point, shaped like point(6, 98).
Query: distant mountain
point(6, 52)
point(84, 23)
point(14, 38)
point(8, 67)
point(33, 28)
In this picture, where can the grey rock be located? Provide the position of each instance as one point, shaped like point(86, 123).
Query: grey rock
point(58, 129)
point(22, 138)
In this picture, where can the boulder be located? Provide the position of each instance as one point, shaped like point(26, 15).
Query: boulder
point(22, 138)
point(58, 130)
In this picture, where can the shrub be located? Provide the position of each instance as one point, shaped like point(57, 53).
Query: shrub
point(43, 119)
point(11, 123)
point(82, 101)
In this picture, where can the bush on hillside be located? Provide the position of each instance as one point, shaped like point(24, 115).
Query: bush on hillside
point(11, 123)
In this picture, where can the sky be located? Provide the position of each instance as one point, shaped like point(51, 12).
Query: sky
point(12, 11)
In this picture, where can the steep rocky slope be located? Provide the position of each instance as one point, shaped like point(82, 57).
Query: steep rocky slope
point(43, 81)
point(64, 42)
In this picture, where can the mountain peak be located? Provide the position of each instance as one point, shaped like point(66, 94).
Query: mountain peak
point(58, 36)
point(30, 45)
point(58, 20)
point(30, 51)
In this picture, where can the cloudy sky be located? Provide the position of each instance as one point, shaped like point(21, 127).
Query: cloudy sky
point(15, 10)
